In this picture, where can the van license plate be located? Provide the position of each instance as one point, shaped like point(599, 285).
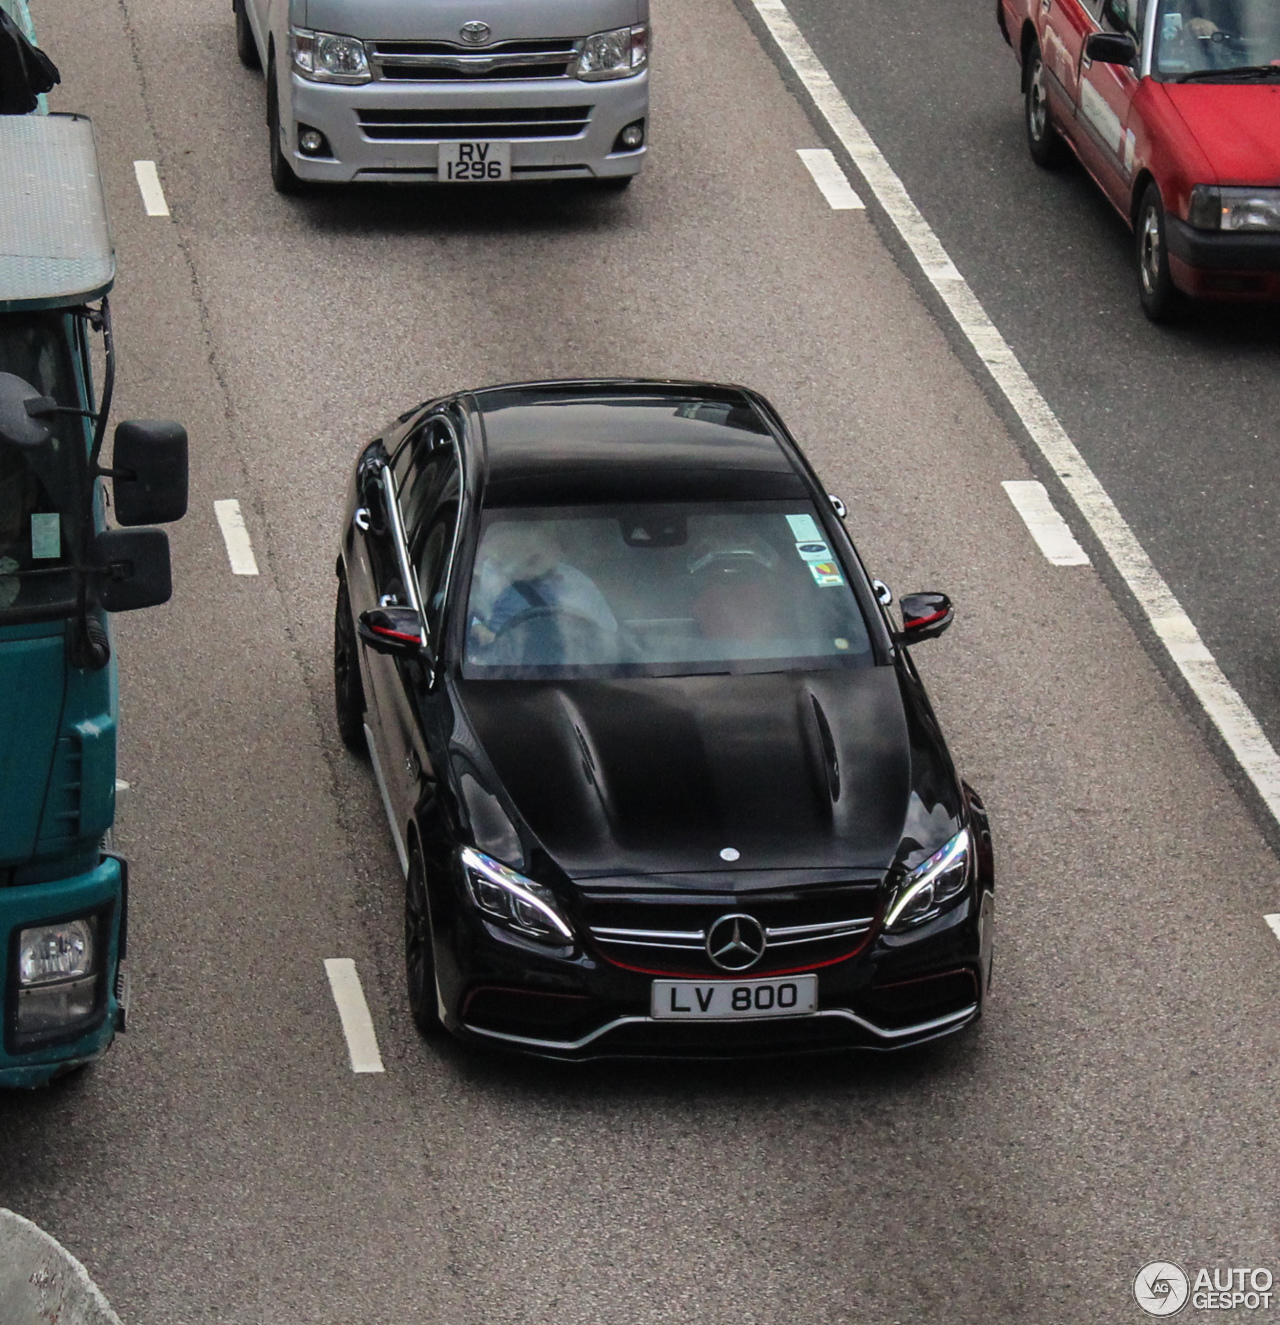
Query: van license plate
point(729, 1000)
point(468, 163)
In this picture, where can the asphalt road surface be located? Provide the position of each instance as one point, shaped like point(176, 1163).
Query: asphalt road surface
point(224, 1164)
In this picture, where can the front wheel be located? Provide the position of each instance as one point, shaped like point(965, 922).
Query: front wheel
point(246, 47)
point(419, 950)
point(282, 177)
point(1161, 299)
point(1043, 140)
point(348, 688)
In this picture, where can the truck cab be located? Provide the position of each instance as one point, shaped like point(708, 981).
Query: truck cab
point(63, 572)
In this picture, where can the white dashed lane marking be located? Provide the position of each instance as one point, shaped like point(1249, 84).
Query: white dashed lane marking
point(1173, 627)
point(357, 1025)
point(1031, 500)
point(236, 537)
point(150, 188)
point(828, 176)
point(1274, 922)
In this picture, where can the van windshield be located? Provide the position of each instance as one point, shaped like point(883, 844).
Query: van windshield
point(651, 590)
point(1205, 38)
point(38, 487)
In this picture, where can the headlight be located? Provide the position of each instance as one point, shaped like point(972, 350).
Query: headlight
point(929, 887)
point(511, 900)
point(325, 57)
point(1237, 209)
point(57, 977)
point(616, 54)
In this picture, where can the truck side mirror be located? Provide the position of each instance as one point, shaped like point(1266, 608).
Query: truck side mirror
point(149, 472)
point(134, 568)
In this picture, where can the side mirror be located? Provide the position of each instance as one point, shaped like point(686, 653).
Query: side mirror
point(135, 568)
point(924, 616)
point(1111, 48)
point(395, 631)
point(149, 472)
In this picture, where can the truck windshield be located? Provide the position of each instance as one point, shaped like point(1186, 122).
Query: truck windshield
point(659, 591)
point(38, 488)
point(1205, 38)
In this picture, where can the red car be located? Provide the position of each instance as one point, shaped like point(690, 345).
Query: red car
point(1173, 106)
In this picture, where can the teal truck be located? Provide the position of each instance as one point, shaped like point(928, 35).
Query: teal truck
point(68, 560)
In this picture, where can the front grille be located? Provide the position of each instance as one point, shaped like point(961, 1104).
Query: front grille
point(436, 125)
point(443, 61)
point(665, 935)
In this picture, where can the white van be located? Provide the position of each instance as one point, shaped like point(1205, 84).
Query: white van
point(451, 90)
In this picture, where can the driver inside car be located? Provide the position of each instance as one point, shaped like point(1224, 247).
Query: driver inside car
point(523, 577)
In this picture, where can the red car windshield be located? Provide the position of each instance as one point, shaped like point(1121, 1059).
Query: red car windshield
point(1201, 38)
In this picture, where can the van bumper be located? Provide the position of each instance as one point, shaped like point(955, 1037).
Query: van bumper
point(102, 892)
point(337, 112)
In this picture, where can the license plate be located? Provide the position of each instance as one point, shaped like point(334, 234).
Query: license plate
point(729, 1000)
point(471, 163)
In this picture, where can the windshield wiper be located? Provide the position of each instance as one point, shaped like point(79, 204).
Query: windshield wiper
point(1245, 71)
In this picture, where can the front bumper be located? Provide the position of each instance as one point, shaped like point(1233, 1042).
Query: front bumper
point(1215, 265)
point(102, 891)
point(890, 995)
point(337, 111)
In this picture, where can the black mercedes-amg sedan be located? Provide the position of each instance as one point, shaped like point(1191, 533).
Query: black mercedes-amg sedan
point(660, 772)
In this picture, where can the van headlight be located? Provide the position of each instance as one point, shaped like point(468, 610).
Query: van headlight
point(327, 57)
point(927, 889)
point(58, 969)
point(616, 54)
point(514, 902)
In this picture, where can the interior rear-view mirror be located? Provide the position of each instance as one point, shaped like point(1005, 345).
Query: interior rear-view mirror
point(149, 472)
point(924, 616)
point(133, 568)
point(1110, 48)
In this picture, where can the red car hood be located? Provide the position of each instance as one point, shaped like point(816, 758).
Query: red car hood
point(1237, 127)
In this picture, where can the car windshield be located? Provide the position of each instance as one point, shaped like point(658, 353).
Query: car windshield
point(38, 485)
point(1204, 37)
point(659, 591)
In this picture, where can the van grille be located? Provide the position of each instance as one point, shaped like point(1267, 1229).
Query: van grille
point(435, 125)
point(443, 61)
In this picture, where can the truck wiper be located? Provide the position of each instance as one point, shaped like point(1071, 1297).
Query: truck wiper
point(1248, 72)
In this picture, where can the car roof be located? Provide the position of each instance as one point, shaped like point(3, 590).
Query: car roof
point(55, 247)
point(566, 443)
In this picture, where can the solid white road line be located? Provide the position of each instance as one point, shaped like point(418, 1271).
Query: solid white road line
point(236, 537)
point(1031, 500)
point(149, 186)
point(1274, 922)
point(357, 1025)
point(1175, 629)
point(828, 176)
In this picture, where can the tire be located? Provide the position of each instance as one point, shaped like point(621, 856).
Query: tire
point(348, 689)
point(1045, 143)
point(246, 47)
point(282, 177)
point(1160, 298)
point(419, 950)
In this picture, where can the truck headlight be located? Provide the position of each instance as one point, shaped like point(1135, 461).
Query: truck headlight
point(923, 893)
point(58, 970)
point(326, 57)
point(616, 54)
point(1242, 210)
point(512, 901)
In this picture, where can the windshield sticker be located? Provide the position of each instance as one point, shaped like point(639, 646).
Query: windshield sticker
point(841, 643)
point(825, 573)
point(804, 527)
point(46, 535)
point(814, 551)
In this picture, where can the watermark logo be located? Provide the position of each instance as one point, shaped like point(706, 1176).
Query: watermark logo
point(1161, 1288)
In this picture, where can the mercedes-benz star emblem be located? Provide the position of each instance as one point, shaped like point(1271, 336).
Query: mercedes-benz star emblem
point(476, 33)
point(735, 943)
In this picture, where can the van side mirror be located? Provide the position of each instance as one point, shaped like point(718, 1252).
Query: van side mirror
point(924, 616)
point(1111, 48)
point(149, 472)
point(133, 568)
point(395, 631)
